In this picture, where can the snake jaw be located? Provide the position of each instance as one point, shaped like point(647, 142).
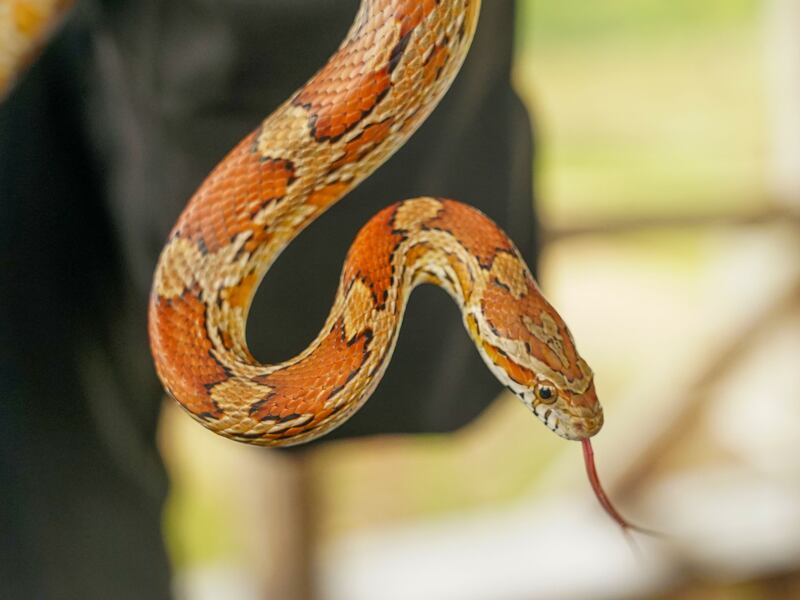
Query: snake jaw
point(586, 413)
point(584, 426)
point(572, 416)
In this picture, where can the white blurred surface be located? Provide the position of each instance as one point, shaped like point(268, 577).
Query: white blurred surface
point(557, 548)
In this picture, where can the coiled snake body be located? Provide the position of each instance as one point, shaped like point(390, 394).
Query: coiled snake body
point(395, 64)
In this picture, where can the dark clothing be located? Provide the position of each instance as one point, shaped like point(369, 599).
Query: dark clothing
point(101, 145)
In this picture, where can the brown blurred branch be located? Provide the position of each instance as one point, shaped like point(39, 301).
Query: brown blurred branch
point(707, 376)
point(634, 466)
point(722, 218)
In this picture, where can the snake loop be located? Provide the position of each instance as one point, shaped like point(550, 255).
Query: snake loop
point(396, 62)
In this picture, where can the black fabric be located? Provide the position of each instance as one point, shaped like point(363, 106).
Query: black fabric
point(81, 483)
point(101, 145)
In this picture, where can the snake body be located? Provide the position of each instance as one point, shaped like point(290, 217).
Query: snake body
point(396, 62)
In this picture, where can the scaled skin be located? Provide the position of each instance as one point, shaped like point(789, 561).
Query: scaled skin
point(398, 60)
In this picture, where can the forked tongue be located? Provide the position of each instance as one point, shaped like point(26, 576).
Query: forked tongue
point(591, 471)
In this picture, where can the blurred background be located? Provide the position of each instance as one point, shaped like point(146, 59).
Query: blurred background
point(668, 177)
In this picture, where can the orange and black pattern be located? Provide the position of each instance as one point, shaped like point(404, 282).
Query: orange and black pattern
point(398, 59)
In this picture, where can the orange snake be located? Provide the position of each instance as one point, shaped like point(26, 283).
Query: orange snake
point(396, 62)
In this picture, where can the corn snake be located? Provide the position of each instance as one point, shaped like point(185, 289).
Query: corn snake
point(398, 59)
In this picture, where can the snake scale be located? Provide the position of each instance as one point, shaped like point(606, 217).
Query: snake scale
point(396, 62)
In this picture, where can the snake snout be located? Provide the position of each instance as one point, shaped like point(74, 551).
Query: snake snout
point(588, 426)
point(586, 414)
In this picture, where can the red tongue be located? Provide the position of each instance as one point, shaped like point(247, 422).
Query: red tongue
point(591, 471)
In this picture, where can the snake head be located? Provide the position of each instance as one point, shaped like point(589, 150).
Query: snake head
point(574, 415)
point(528, 347)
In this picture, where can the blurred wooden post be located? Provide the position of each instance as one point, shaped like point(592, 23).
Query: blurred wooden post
point(290, 501)
point(306, 527)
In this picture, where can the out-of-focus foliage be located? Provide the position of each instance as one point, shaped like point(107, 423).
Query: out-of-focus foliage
point(644, 107)
point(623, 21)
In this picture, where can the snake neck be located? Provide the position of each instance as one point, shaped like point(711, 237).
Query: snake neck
point(397, 61)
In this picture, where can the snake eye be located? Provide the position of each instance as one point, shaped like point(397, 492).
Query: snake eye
point(545, 393)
